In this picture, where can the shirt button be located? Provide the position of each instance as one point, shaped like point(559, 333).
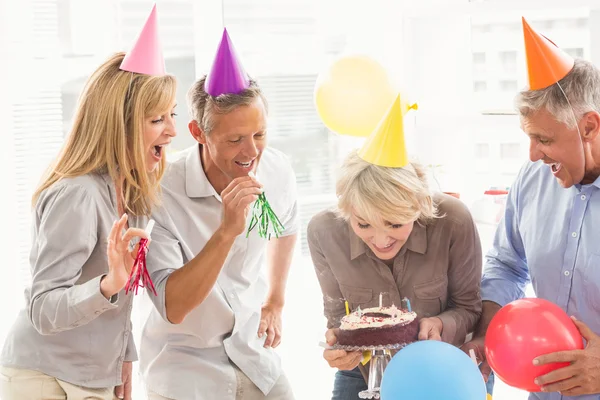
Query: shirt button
point(574, 234)
point(229, 391)
point(97, 312)
point(126, 333)
point(232, 295)
point(583, 197)
point(567, 273)
point(121, 358)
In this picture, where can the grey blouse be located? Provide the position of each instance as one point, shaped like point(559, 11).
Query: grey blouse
point(68, 329)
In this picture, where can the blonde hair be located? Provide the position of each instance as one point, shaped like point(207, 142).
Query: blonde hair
point(203, 107)
point(581, 87)
point(381, 194)
point(107, 133)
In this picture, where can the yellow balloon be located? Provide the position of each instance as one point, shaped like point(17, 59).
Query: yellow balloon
point(353, 95)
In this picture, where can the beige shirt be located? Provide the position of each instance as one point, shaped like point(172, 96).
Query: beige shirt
point(438, 269)
point(192, 360)
point(69, 330)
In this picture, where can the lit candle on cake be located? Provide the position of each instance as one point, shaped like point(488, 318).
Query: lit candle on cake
point(407, 304)
point(380, 299)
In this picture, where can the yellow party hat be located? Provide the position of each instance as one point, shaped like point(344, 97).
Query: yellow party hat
point(385, 146)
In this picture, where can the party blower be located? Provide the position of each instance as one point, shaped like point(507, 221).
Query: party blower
point(139, 276)
point(264, 218)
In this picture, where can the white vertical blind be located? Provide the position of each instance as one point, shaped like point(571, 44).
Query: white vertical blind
point(36, 116)
point(32, 104)
point(38, 136)
point(10, 284)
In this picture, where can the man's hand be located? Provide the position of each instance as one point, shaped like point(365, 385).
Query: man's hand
point(340, 359)
point(430, 329)
point(270, 323)
point(237, 197)
point(124, 391)
point(478, 346)
point(582, 376)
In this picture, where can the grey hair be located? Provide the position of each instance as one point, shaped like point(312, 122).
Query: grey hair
point(202, 106)
point(581, 87)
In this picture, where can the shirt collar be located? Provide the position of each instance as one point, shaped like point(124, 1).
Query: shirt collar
point(587, 188)
point(196, 182)
point(597, 182)
point(417, 241)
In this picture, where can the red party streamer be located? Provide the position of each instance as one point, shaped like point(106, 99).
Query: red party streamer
point(139, 276)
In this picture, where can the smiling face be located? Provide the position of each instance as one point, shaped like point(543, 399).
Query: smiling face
point(569, 155)
point(385, 241)
point(382, 204)
point(562, 122)
point(235, 143)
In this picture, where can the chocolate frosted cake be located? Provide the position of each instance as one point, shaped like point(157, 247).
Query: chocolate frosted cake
point(378, 327)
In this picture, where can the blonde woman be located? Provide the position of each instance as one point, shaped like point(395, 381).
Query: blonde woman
point(390, 235)
point(73, 340)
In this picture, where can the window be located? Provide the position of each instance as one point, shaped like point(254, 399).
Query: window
point(575, 52)
point(508, 86)
point(478, 58)
point(510, 151)
point(479, 63)
point(508, 60)
point(505, 28)
point(482, 150)
point(546, 25)
point(572, 23)
point(482, 28)
point(479, 86)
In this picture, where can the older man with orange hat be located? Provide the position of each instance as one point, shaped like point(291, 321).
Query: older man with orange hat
point(549, 232)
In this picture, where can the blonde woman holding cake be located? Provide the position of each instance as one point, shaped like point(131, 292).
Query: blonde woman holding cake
point(389, 239)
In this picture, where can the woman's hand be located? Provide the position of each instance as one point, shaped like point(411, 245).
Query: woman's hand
point(340, 359)
point(120, 259)
point(430, 329)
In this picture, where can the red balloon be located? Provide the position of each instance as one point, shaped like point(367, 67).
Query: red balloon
point(523, 330)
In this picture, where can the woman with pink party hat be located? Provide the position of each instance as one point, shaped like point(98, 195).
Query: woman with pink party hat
point(73, 340)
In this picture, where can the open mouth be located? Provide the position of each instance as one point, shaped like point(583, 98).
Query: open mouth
point(245, 165)
point(158, 150)
point(385, 248)
point(556, 167)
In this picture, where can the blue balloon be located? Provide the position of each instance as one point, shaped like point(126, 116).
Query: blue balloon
point(432, 370)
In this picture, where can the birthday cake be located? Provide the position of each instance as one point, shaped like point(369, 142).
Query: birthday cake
point(378, 326)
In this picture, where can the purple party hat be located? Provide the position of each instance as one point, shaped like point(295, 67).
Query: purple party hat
point(226, 74)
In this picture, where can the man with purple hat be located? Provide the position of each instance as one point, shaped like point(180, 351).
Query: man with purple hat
point(217, 320)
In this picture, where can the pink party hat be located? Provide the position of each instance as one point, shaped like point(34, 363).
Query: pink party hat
point(145, 57)
point(226, 74)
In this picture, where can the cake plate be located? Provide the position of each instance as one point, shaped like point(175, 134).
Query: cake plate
point(380, 357)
